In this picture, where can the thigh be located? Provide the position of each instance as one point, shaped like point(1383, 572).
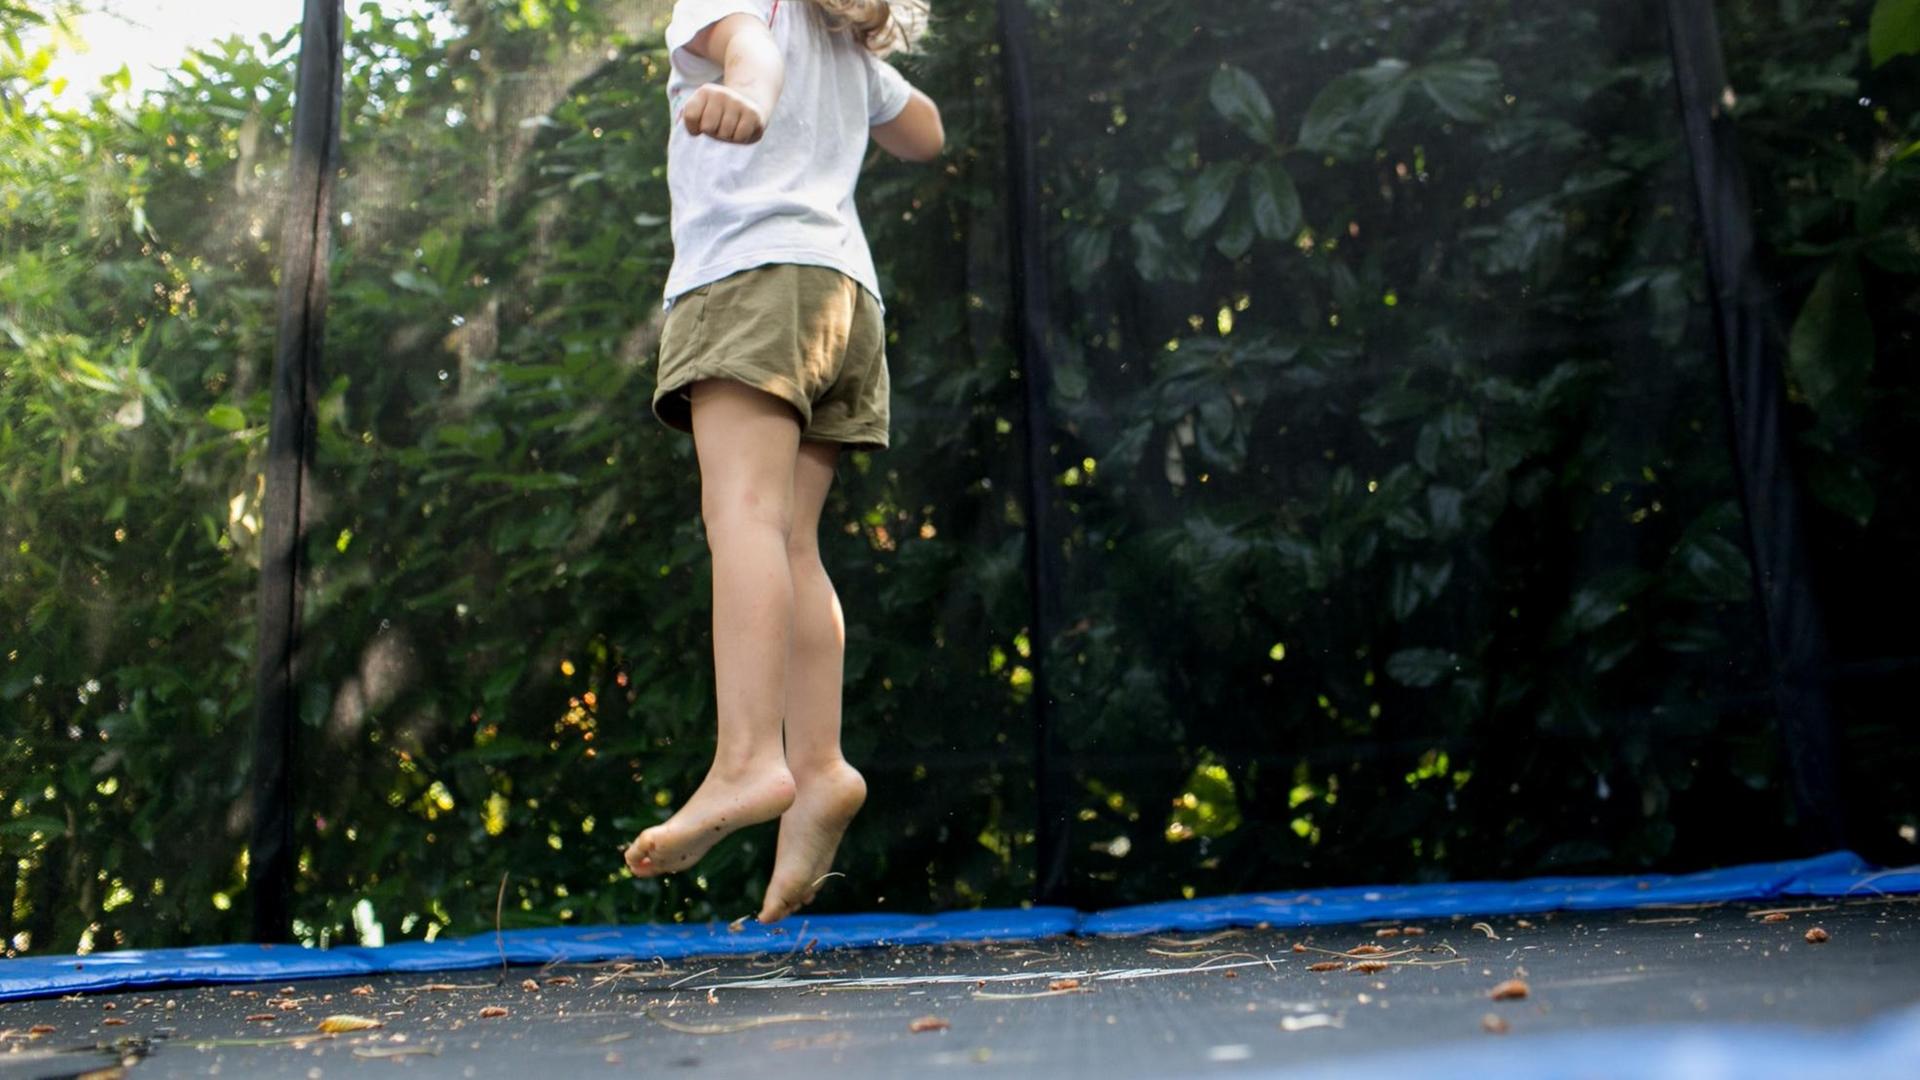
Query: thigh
point(746, 441)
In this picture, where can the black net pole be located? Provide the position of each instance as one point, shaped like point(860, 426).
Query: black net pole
point(1029, 292)
point(305, 248)
point(1751, 341)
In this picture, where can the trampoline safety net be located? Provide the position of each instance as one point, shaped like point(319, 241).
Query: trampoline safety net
point(1334, 443)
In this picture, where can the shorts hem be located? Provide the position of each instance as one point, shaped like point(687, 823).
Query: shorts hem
point(680, 416)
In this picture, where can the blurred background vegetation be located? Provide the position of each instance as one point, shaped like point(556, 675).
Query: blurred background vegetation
point(1397, 525)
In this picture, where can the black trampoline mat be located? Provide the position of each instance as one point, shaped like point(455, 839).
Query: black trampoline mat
point(1066, 1007)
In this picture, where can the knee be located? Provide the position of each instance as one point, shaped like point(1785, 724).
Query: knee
point(803, 551)
point(738, 513)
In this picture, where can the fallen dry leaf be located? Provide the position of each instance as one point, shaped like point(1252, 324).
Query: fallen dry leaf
point(334, 1025)
point(561, 980)
point(263, 1016)
point(1365, 950)
point(928, 1023)
point(362, 991)
point(1297, 947)
point(492, 1011)
point(42, 1029)
point(1369, 967)
point(113, 1021)
point(1525, 925)
point(1386, 932)
point(1064, 984)
point(1775, 916)
point(1509, 990)
point(529, 984)
point(1326, 965)
point(1816, 935)
point(1494, 1025)
point(1413, 931)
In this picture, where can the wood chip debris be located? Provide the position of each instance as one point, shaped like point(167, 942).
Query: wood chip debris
point(1326, 965)
point(1510, 990)
point(493, 1011)
point(928, 1023)
point(1817, 935)
point(1775, 916)
point(1064, 984)
point(334, 1025)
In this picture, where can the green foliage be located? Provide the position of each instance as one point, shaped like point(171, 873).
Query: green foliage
point(1829, 121)
point(1894, 30)
point(135, 326)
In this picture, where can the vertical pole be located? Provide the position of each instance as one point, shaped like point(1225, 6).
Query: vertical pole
point(1750, 342)
point(1029, 293)
point(305, 248)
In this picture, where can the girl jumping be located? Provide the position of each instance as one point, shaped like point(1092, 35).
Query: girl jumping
point(773, 357)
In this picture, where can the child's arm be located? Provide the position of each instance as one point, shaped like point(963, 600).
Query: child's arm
point(737, 108)
point(916, 134)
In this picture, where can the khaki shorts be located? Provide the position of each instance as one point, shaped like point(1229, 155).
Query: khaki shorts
point(805, 334)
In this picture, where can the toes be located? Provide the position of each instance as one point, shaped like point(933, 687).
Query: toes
point(640, 857)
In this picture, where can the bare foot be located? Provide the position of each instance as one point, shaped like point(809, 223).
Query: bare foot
point(810, 834)
point(723, 804)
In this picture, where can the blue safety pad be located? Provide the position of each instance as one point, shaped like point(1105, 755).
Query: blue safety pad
point(1839, 874)
point(45, 976)
point(1835, 873)
point(1889, 1047)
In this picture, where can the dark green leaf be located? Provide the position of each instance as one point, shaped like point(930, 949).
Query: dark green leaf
point(1894, 30)
point(1275, 201)
point(1237, 96)
point(1831, 350)
point(1421, 668)
point(1466, 90)
point(1207, 197)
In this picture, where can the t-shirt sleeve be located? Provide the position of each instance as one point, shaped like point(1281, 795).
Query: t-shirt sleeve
point(887, 91)
point(692, 16)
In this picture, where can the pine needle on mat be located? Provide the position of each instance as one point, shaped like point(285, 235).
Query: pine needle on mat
point(738, 1025)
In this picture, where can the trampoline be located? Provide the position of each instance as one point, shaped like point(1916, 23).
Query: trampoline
point(1801, 969)
point(1383, 566)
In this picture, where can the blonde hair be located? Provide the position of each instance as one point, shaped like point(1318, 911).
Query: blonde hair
point(873, 23)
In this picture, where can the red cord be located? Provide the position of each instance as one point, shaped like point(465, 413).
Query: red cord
point(776, 11)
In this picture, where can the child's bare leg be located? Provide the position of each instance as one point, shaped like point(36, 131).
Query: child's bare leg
point(746, 441)
point(830, 790)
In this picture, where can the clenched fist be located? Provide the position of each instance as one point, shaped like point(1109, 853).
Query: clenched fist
point(724, 113)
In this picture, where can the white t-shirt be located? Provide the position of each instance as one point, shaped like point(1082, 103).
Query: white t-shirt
point(789, 197)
